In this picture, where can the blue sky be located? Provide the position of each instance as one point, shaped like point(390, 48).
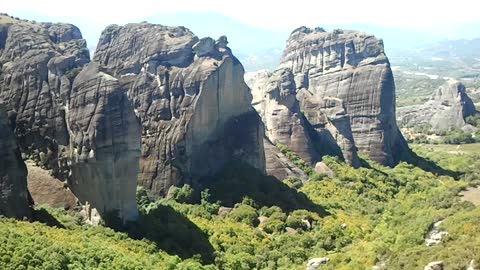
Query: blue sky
point(260, 25)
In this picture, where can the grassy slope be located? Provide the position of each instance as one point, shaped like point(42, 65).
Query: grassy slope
point(360, 218)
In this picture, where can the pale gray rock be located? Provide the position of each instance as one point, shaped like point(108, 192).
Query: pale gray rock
point(473, 265)
point(316, 263)
point(290, 231)
point(204, 47)
point(447, 109)
point(322, 169)
point(435, 235)
point(350, 66)
point(224, 211)
point(14, 196)
point(192, 101)
point(278, 165)
point(434, 266)
point(262, 220)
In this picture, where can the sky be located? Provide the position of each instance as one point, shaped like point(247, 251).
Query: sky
point(257, 24)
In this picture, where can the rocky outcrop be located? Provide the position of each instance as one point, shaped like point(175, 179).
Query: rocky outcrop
point(14, 197)
point(83, 127)
point(316, 263)
point(280, 110)
point(339, 87)
point(278, 165)
point(473, 265)
point(447, 109)
point(434, 266)
point(189, 94)
point(435, 236)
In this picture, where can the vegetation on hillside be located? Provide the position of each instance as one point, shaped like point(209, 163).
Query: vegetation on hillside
point(243, 220)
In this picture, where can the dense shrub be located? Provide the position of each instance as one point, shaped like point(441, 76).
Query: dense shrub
point(245, 214)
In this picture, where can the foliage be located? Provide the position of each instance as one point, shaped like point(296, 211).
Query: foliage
point(245, 214)
point(371, 215)
point(458, 137)
point(295, 159)
point(185, 194)
point(474, 120)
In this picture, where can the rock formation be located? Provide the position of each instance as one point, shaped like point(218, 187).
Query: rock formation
point(83, 127)
point(438, 265)
point(447, 109)
point(47, 190)
point(104, 143)
point(316, 263)
point(334, 91)
point(191, 99)
point(14, 197)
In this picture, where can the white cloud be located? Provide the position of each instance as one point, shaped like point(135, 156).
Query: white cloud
point(278, 15)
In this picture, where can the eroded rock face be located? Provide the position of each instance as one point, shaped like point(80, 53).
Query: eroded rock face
point(434, 266)
point(190, 97)
point(350, 66)
point(14, 197)
point(447, 109)
point(104, 147)
point(84, 131)
point(280, 111)
point(343, 85)
point(278, 165)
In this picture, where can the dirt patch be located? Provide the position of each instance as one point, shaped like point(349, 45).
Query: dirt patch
point(471, 194)
point(45, 189)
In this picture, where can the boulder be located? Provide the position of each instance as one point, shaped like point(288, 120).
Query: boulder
point(316, 263)
point(224, 211)
point(473, 265)
point(434, 266)
point(322, 169)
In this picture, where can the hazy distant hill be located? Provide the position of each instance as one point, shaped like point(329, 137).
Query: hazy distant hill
point(420, 70)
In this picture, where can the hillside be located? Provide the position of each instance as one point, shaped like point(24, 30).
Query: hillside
point(358, 219)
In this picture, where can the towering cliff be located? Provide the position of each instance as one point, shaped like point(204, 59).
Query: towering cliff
point(191, 99)
point(83, 127)
point(447, 108)
point(345, 91)
point(14, 198)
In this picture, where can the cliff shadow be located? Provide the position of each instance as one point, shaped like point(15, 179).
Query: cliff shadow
point(172, 232)
point(43, 216)
point(430, 166)
point(238, 180)
point(406, 154)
